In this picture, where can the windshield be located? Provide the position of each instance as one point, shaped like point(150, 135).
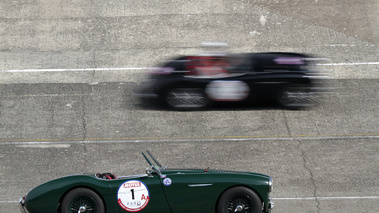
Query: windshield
point(152, 161)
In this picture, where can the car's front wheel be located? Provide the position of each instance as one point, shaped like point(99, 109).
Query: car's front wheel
point(82, 200)
point(186, 99)
point(239, 199)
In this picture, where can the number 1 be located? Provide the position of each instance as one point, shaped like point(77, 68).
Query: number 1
point(132, 190)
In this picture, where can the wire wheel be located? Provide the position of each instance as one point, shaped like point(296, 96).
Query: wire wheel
point(82, 200)
point(186, 98)
point(240, 200)
point(240, 204)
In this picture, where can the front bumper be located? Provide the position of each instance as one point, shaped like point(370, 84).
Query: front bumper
point(270, 204)
point(22, 205)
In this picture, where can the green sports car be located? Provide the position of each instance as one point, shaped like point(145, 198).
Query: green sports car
point(159, 190)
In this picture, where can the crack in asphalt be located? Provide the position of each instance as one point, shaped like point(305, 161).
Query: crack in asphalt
point(303, 156)
point(286, 123)
point(313, 181)
point(84, 123)
point(84, 127)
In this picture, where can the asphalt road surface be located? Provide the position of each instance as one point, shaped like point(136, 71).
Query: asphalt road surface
point(68, 70)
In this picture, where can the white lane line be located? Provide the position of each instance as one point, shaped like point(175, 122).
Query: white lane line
point(295, 198)
point(327, 198)
point(145, 68)
point(349, 64)
point(76, 70)
point(8, 201)
point(45, 146)
point(42, 95)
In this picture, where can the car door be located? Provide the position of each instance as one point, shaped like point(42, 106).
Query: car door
point(140, 194)
point(191, 193)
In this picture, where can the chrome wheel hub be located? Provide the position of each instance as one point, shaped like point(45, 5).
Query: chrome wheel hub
point(239, 208)
point(82, 209)
point(241, 204)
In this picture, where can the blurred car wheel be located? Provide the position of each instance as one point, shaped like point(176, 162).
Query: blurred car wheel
point(186, 99)
point(295, 97)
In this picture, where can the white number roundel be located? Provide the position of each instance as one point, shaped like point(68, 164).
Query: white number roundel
point(133, 196)
point(227, 90)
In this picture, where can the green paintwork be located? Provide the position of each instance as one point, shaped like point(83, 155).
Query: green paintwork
point(196, 190)
point(181, 196)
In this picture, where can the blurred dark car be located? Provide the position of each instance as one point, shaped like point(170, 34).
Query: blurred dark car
point(196, 82)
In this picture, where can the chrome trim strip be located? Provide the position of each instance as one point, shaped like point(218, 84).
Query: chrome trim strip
point(200, 185)
point(133, 176)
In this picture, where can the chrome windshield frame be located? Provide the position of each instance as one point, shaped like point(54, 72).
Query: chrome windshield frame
point(152, 161)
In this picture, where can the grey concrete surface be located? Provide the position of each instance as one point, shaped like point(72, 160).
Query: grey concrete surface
point(68, 70)
point(73, 34)
point(332, 172)
point(354, 18)
point(322, 160)
point(110, 110)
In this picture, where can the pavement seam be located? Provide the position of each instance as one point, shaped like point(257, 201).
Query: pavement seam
point(286, 124)
point(84, 122)
point(303, 157)
point(313, 181)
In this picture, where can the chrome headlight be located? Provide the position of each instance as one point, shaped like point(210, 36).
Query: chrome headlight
point(270, 187)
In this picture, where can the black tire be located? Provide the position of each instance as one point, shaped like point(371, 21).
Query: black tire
point(295, 97)
point(239, 199)
point(186, 99)
point(82, 198)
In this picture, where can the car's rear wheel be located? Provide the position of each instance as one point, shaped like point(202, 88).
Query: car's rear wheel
point(82, 200)
point(239, 199)
point(186, 99)
point(295, 97)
